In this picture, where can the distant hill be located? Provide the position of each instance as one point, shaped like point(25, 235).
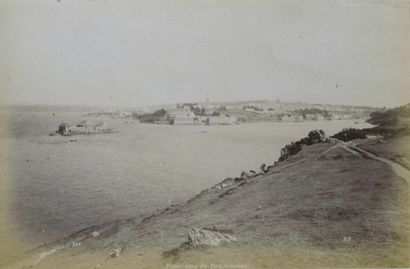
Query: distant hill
point(277, 105)
point(48, 108)
point(389, 123)
point(396, 116)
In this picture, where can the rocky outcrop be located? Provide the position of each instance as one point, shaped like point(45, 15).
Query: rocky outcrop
point(314, 137)
point(225, 183)
point(116, 252)
point(263, 168)
point(201, 238)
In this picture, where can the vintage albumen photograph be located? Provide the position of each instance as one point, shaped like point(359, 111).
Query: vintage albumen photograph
point(204, 134)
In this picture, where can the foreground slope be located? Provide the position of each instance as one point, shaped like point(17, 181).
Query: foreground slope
point(329, 205)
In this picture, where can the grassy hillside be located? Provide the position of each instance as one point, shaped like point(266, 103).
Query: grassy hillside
point(395, 116)
point(326, 206)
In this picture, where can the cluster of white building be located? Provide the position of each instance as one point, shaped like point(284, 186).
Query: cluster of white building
point(314, 117)
point(185, 117)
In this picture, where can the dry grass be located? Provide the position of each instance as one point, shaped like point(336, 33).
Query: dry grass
point(301, 216)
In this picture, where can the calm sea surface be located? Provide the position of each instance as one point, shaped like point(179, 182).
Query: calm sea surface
point(58, 187)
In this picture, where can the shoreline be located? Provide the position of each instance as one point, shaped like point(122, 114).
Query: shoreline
point(314, 150)
point(112, 229)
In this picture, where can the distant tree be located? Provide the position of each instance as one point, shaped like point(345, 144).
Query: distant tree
point(222, 108)
point(315, 136)
point(159, 113)
point(350, 134)
point(152, 117)
point(305, 111)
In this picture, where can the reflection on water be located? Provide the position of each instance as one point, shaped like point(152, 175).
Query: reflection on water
point(60, 187)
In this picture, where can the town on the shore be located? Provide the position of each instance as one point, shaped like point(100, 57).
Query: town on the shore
point(218, 114)
point(237, 112)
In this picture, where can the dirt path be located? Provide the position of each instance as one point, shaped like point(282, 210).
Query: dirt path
point(397, 168)
point(354, 152)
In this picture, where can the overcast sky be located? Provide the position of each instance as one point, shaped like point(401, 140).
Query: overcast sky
point(129, 53)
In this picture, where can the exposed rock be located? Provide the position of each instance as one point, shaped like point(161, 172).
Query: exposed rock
point(236, 180)
point(45, 254)
point(225, 183)
point(270, 167)
point(201, 237)
point(116, 253)
point(246, 175)
point(96, 234)
point(315, 136)
point(263, 168)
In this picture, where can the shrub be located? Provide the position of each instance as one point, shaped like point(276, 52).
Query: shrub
point(351, 134)
point(315, 136)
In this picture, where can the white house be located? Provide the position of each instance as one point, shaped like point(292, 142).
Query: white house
point(185, 118)
point(101, 126)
